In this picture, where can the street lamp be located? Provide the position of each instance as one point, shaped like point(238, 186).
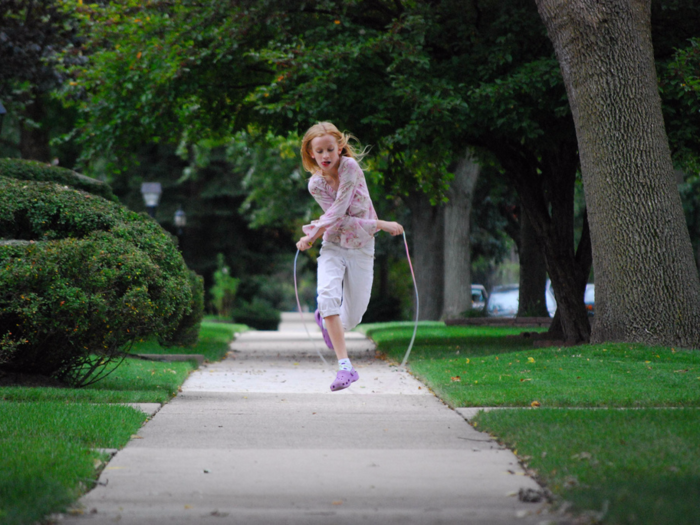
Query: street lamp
point(180, 220)
point(3, 112)
point(151, 196)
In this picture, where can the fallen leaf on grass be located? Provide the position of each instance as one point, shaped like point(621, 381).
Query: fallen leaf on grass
point(535, 404)
point(134, 436)
point(455, 379)
point(530, 359)
point(677, 371)
point(582, 456)
point(525, 380)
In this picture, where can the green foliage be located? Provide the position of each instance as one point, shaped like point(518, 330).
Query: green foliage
point(34, 171)
point(680, 87)
point(81, 278)
point(187, 332)
point(258, 314)
point(155, 68)
point(223, 292)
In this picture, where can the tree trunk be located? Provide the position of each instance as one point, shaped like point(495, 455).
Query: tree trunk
point(533, 273)
point(457, 280)
point(647, 286)
point(34, 138)
point(427, 223)
point(545, 186)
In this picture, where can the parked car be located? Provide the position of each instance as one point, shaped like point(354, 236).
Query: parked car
point(479, 297)
point(503, 301)
point(588, 299)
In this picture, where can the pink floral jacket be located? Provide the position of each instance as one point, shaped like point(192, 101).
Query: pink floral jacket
point(349, 216)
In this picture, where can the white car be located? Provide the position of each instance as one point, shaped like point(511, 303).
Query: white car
point(503, 301)
point(588, 299)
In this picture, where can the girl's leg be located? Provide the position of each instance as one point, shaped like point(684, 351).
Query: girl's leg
point(359, 274)
point(331, 272)
point(337, 333)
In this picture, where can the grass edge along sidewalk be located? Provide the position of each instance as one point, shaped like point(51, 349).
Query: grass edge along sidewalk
point(622, 466)
point(50, 437)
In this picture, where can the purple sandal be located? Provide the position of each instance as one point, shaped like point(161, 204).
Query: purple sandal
point(344, 379)
point(326, 335)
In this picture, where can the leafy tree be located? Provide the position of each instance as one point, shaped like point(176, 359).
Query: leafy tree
point(32, 34)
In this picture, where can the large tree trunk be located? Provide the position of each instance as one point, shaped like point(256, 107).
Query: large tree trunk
point(427, 223)
point(533, 272)
point(457, 280)
point(647, 286)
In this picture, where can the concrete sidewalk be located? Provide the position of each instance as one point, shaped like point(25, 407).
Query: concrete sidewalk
point(260, 439)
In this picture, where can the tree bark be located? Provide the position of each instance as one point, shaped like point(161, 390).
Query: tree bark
point(533, 273)
point(647, 286)
point(545, 186)
point(457, 280)
point(427, 223)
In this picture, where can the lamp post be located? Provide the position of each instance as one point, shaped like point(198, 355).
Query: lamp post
point(180, 220)
point(151, 196)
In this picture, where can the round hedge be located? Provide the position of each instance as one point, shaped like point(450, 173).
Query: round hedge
point(35, 171)
point(80, 279)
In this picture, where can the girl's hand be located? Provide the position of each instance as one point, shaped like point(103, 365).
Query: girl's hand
point(394, 228)
point(305, 243)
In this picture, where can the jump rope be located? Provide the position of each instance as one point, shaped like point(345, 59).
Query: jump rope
point(415, 325)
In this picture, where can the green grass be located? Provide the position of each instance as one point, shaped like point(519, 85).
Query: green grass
point(137, 381)
point(134, 381)
point(47, 434)
point(46, 453)
point(214, 338)
point(644, 463)
point(481, 366)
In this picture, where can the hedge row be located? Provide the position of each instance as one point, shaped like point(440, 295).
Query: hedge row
point(81, 278)
point(31, 170)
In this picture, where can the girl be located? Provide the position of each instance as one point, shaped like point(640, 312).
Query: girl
point(348, 225)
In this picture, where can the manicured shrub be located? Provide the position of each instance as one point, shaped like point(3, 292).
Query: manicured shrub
point(187, 332)
point(258, 314)
point(31, 170)
point(80, 279)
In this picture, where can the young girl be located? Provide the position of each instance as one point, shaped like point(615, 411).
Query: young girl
point(348, 225)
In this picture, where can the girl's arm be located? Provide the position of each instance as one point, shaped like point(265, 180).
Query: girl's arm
point(307, 241)
point(394, 228)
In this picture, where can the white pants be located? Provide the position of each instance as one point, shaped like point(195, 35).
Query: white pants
point(345, 282)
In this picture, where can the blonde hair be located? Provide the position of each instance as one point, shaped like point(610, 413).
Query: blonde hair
point(321, 129)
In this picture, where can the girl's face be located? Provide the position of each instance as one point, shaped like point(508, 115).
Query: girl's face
point(324, 150)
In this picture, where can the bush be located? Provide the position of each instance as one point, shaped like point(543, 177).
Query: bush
point(223, 292)
point(257, 314)
point(80, 279)
point(31, 170)
point(187, 332)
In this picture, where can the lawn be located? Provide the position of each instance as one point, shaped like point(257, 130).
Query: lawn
point(639, 463)
point(484, 366)
point(48, 436)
